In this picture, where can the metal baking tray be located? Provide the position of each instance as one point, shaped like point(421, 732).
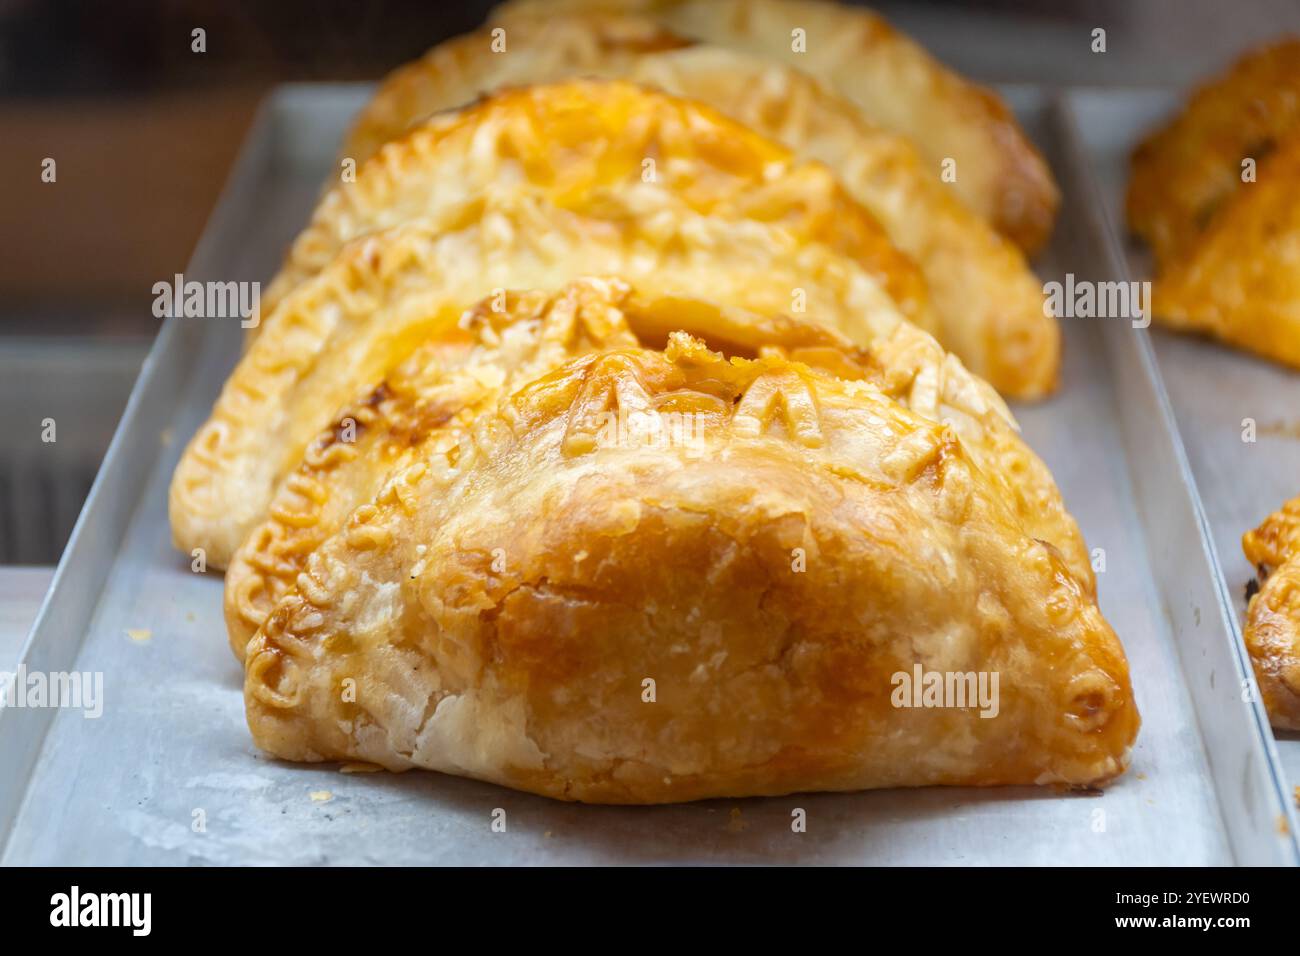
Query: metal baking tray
point(171, 747)
point(1213, 389)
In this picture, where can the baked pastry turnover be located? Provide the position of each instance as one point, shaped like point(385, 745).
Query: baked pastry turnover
point(1214, 194)
point(436, 394)
point(569, 601)
point(592, 146)
point(344, 328)
point(609, 434)
point(1241, 281)
point(894, 82)
point(1273, 614)
point(1189, 169)
point(987, 305)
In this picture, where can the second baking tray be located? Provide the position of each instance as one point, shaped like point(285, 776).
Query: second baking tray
point(168, 774)
point(1217, 392)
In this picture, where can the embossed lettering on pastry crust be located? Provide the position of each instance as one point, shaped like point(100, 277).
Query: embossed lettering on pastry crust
point(1273, 615)
point(606, 614)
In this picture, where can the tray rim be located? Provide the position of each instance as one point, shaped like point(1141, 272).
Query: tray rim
point(1121, 267)
point(68, 603)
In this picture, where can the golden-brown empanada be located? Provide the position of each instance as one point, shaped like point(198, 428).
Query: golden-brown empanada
point(663, 576)
point(343, 329)
point(1188, 171)
point(1241, 281)
point(890, 78)
point(432, 397)
point(589, 146)
point(987, 305)
point(1273, 615)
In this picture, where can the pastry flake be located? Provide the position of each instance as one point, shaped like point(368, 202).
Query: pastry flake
point(987, 304)
point(1272, 629)
point(603, 614)
point(890, 78)
point(386, 293)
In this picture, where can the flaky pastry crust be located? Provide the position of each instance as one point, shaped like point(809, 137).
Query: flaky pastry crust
point(1189, 170)
point(385, 293)
point(588, 145)
point(592, 616)
point(890, 78)
point(466, 67)
point(1272, 630)
point(431, 398)
point(987, 304)
point(1241, 281)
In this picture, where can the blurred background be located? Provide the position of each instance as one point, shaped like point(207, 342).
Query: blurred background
point(144, 131)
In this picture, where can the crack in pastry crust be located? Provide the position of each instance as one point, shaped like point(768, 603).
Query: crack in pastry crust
point(497, 618)
point(894, 82)
point(1187, 172)
point(384, 293)
point(433, 395)
point(987, 304)
point(1272, 630)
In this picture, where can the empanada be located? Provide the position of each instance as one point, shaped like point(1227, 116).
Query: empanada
point(987, 305)
point(589, 146)
point(434, 395)
point(1188, 171)
point(890, 78)
point(1273, 615)
point(1241, 281)
point(386, 293)
point(660, 576)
